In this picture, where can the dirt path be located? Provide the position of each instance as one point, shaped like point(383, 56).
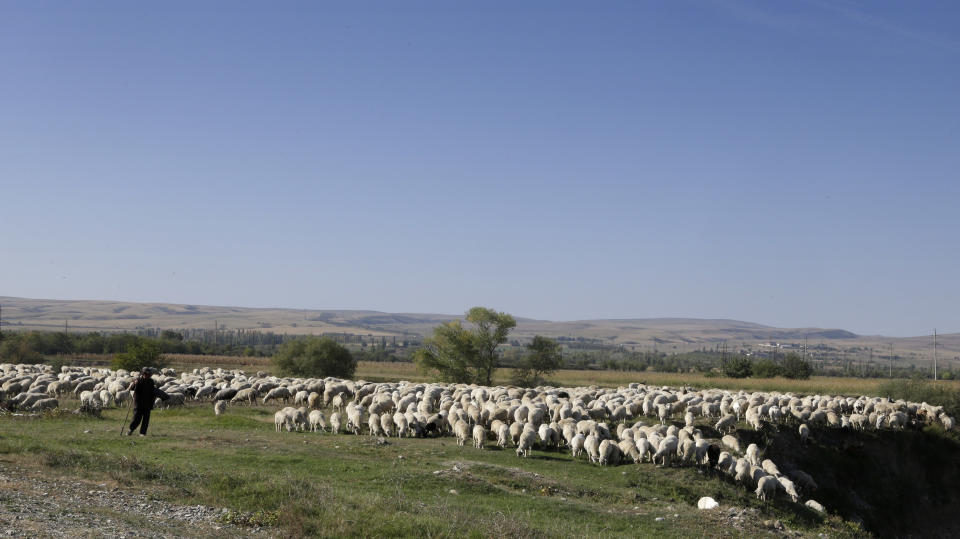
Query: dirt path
point(32, 505)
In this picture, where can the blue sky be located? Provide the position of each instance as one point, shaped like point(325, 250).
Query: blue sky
point(793, 164)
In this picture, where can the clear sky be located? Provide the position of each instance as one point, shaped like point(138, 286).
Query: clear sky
point(787, 163)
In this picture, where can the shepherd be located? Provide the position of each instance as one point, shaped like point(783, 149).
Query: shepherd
point(145, 392)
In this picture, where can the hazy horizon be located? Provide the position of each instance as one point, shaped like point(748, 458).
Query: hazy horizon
point(792, 165)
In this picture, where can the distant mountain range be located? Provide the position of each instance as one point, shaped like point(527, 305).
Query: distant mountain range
point(669, 334)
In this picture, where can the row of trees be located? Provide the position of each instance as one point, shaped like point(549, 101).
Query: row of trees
point(791, 366)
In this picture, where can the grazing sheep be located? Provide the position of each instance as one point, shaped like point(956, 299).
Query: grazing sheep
point(386, 423)
point(527, 439)
point(769, 467)
point(766, 487)
point(373, 423)
point(742, 471)
point(666, 451)
point(804, 433)
point(753, 454)
point(401, 424)
point(48, 403)
point(317, 421)
point(479, 436)
point(280, 420)
point(815, 505)
point(460, 430)
point(277, 393)
point(804, 480)
point(644, 449)
point(248, 395)
point(576, 445)
point(609, 453)
point(731, 442)
point(726, 422)
point(219, 407)
point(335, 423)
point(725, 462)
point(591, 444)
point(503, 435)
point(788, 487)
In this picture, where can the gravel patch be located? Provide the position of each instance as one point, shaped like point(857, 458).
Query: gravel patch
point(38, 506)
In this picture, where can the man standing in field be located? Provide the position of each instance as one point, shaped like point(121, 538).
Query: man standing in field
point(144, 393)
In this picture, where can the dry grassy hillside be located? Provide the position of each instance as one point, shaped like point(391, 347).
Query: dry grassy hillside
point(665, 334)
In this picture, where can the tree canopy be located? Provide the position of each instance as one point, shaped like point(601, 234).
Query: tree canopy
point(466, 354)
point(140, 354)
point(315, 356)
point(543, 357)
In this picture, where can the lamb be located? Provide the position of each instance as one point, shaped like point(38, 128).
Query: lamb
point(219, 407)
point(479, 436)
point(527, 439)
point(766, 487)
point(317, 421)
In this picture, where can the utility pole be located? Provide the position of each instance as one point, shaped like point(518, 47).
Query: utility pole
point(891, 360)
point(934, 354)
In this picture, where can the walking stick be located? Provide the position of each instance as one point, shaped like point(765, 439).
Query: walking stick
point(124, 424)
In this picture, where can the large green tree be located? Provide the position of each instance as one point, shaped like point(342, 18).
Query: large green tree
point(139, 354)
point(542, 358)
point(466, 354)
point(315, 356)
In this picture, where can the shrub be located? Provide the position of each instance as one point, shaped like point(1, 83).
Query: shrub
point(794, 366)
point(765, 368)
point(315, 356)
point(140, 353)
point(738, 367)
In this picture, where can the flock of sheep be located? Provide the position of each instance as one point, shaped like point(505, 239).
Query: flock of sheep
point(637, 423)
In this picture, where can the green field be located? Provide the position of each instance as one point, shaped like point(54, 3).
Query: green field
point(337, 485)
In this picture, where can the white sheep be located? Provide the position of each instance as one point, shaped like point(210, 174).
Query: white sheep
point(576, 445)
point(816, 506)
point(753, 454)
point(609, 453)
point(335, 422)
point(219, 407)
point(766, 487)
point(804, 433)
point(789, 488)
point(317, 421)
point(527, 439)
point(479, 436)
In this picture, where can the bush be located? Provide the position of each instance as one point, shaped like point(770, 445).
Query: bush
point(139, 354)
point(315, 357)
point(795, 367)
point(738, 367)
point(765, 368)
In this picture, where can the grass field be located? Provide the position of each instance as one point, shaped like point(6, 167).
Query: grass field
point(346, 485)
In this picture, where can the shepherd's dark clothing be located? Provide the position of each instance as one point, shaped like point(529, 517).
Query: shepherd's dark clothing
point(144, 393)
